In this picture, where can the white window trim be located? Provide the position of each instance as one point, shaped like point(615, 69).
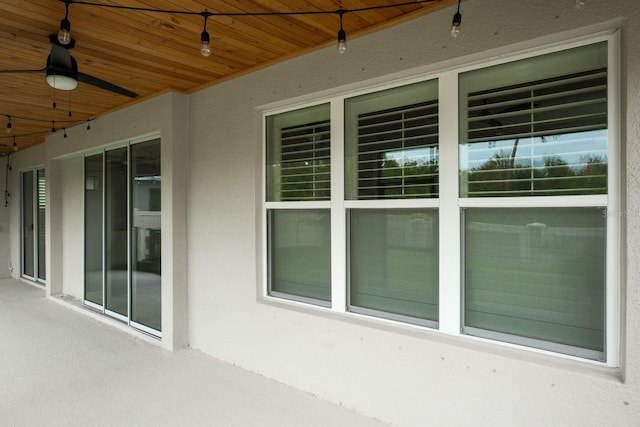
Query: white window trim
point(450, 205)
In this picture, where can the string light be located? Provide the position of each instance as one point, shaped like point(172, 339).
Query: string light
point(204, 36)
point(13, 118)
point(15, 145)
point(64, 135)
point(40, 132)
point(457, 20)
point(342, 36)
point(205, 40)
point(64, 35)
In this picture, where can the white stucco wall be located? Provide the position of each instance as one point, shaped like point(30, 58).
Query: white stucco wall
point(72, 225)
point(408, 378)
point(5, 236)
point(211, 169)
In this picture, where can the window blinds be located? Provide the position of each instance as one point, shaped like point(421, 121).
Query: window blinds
point(541, 132)
point(298, 150)
point(397, 152)
point(305, 163)
point(391, 143)
point(42, 186)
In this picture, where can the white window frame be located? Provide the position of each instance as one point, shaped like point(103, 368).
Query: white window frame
point(450, 205)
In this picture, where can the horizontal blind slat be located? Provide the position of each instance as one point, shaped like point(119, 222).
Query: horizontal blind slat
point(305, 162)
point(393, 145)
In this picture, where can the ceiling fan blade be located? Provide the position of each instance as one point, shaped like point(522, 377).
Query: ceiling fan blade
point(103, 84)
point(39, 70)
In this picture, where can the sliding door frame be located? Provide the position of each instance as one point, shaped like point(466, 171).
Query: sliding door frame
point(35, 225)
point(129, 218)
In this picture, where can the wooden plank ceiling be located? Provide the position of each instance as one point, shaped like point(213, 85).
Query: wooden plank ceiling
point(150, 53)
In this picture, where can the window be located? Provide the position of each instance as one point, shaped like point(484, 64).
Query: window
point(300, 253)
point(299, 167)
point(536, 127)
point(473, 201)
point(536, 276)
point(392, 143)
point(391, 153)
point(298, 173)
point(393, 260)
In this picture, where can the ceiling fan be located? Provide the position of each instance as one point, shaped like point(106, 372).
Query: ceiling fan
point(62, 71)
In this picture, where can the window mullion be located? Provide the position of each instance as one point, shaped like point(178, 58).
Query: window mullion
point(338, 214)
point(614, 256)
point(450, 289)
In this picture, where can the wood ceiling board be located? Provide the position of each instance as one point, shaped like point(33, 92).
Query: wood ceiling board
point(151, 53)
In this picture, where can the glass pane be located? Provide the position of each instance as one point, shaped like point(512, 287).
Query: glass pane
point(391, 143)
point(146, 234)
point(537, 273)
point(298, 147)
point(535, 127)
point(116, 215)
point(394, 261)
point(42, 204)
point(300, 253)
point(28, 226)
point(93, 229)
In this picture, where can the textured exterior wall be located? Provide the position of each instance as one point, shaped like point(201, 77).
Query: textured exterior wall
point(5, 236)
point(407, 378)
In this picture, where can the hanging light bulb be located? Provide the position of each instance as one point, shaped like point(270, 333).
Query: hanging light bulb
point(457, 20)
point(205, 46)
point(9, 125)
point(64, 135)
point(53, 126)
point(88, 126)
point(64, 35)
point(205, 40)
point(342, 36)
point(15, 145)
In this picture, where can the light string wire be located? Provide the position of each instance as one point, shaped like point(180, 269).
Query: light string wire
point(271, 13)
point(12, 118)
point(206, 14)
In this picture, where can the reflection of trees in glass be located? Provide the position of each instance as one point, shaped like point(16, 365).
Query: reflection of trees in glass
point(409, 178)
point(306, 180)
point(502, 175)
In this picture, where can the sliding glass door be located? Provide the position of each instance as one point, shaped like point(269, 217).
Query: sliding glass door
point(33, 225)
point(116, 235)
point(93, 229)
point(123, 234)
point(145, 234)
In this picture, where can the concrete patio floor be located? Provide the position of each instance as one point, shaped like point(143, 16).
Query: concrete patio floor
point(61, 368)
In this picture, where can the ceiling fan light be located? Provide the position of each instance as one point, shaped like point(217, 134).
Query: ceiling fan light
point(61, 82)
